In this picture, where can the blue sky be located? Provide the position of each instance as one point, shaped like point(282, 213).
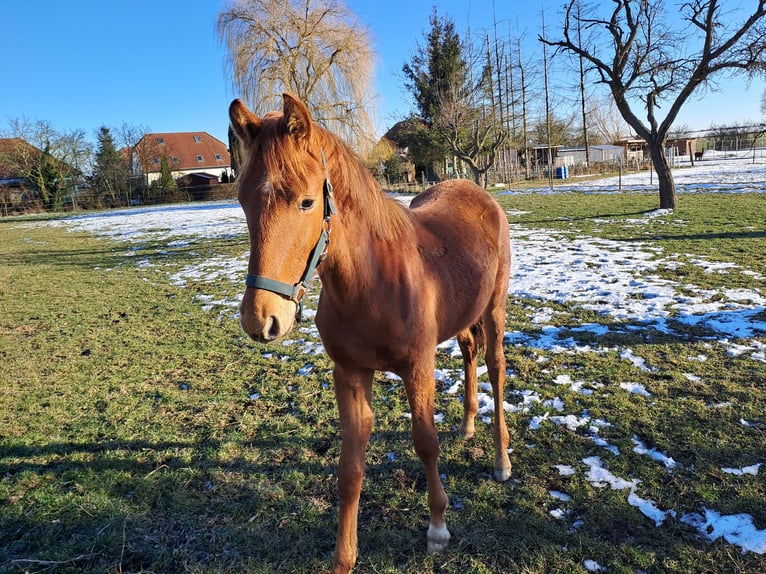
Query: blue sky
point(158, 63)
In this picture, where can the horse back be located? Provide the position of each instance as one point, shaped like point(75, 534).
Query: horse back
point(464, 217)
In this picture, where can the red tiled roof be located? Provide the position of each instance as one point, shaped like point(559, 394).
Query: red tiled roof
point(17, 157)
point(183, 150)
point(10, 149)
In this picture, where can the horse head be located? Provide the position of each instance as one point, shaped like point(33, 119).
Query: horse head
point(287, 200)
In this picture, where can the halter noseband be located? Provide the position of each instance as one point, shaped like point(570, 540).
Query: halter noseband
point(318, 253)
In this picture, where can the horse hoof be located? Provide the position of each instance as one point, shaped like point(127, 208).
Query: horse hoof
point(438, 538)
point(466, 431)
point(503, 473)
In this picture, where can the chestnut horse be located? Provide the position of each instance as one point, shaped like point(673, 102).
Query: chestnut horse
point(395, 283)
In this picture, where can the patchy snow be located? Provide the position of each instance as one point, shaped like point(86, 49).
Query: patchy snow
point(752, 469)
point(619, 281)
point(558, 495)
point(593, 566)
point(636, 389)
point(640, 448)
point(565, 470)
point(736, 529)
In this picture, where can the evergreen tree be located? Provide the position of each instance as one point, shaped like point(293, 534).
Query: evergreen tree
point(166, 176)
point(164, 188)
point(166, 183)
point(436, 68)
point(434, 71)
point(44, 177)
point(110, 173)
point(454, 97)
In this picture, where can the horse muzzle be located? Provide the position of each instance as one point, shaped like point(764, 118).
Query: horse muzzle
point(265, 316)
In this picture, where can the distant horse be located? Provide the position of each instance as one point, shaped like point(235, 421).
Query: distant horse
point(395, 283)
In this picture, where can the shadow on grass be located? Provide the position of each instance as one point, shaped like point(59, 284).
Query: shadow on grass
point(164, 506)
point(119, 507)
point(269, 505)
point(111, 255)
point(587, 217)
point(699, 236)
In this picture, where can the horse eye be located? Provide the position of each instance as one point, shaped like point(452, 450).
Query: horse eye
point(306, 204)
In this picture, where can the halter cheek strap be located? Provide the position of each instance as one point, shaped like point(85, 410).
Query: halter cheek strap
point(318, 253)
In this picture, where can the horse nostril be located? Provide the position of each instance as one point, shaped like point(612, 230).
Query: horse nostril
point(272, 328)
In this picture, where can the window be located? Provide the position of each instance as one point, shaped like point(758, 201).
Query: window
point(175, 159)
point(160, 140)
point(200, 158)
point(218, 157)
point(197, 139)
point(155, 160)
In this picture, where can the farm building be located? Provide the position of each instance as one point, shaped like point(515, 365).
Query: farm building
point(636, 149)
point(198, 178)
point(23, 167)
point(571, 156)
point(185, 152)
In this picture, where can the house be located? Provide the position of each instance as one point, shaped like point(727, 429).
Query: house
point(637, 149)
point(185, 152)
point(197, 179)
point(16, 155)
point(16, 191)
point(572, 156)
point(24, 168)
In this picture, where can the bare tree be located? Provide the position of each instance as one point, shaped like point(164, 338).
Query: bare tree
point(473, 133)
point(51, 160)
point(315, 49)
point(127, 137)
point(605, 120)
point(642, 59)
point(524, 93)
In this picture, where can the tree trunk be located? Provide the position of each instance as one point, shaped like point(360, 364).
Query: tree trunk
point(475, 174)
point(664, 175)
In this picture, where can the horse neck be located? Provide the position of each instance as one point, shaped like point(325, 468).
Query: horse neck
point(367, 221)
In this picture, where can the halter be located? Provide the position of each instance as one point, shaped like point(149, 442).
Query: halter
point(318, 253)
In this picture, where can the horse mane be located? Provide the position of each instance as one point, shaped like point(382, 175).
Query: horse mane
point(355, 190)
point(359, 192)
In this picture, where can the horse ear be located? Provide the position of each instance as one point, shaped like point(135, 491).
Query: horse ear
point(245, 123)
point(296, 117)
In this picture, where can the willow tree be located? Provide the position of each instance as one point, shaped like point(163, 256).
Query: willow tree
point(315, 49)
point(653, 61)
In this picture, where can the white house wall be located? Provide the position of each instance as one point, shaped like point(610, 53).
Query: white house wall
point(217, 171)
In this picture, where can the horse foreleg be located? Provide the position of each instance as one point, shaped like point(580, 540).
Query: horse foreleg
point(353, 393)
point(420, 387)
point(470, 349)
point(495, 359)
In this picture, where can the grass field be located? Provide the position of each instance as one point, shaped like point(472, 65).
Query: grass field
point(140, 431)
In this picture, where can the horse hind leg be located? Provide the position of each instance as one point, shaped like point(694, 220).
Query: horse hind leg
point(471, 343)
point(494, 321)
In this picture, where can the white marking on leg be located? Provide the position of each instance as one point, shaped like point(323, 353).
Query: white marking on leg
point(438, 538)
